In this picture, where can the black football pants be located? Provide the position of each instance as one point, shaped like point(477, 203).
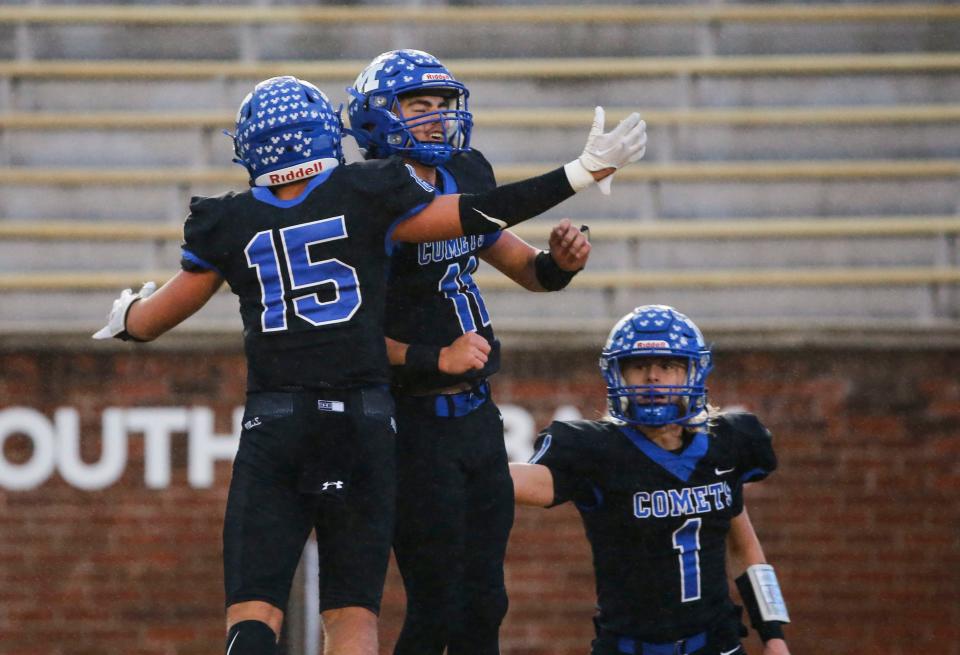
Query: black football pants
point(454, 514)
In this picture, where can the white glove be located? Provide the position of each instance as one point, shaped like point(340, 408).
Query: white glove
point(625, 144)
point(117, 318)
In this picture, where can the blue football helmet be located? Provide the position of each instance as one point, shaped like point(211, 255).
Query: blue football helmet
point(286, 131)
point(378, 123)
point(656, 331)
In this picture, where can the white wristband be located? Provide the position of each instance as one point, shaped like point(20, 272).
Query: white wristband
point(578, 176)
point(766, 589)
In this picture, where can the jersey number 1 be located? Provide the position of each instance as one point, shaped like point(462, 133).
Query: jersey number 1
point(686, 539)
point(304, 275)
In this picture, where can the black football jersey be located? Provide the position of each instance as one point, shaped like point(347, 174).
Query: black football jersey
point(432, 298)
point(657, 520)
point(310, 273)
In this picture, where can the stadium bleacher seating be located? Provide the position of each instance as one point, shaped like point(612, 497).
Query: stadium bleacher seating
point(822, 171)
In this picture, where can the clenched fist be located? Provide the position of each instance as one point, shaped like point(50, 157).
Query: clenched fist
point(569, 246)
point(469, 351)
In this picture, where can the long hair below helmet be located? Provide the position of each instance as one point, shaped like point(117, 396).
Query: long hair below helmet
point(286, 130)
point(657, 331)
point(376, 118)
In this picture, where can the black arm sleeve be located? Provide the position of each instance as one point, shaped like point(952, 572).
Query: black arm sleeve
point(500, 208)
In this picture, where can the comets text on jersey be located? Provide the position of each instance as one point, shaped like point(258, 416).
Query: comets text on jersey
point(680, 502)
point(438, 251)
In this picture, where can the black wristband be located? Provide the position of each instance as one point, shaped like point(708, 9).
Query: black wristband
point(766, 629)
point(500, 208)
point(770, 630)
point(422, 358)
point(126, 336)
point(549, 274)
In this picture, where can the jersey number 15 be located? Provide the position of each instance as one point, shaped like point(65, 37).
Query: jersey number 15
point(304, 275)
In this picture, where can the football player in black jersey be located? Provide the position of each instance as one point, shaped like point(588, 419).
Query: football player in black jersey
point(454, 493)
point(659, 486)
point(306, 251)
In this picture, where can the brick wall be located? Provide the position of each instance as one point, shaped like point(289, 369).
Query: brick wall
point(861, 520)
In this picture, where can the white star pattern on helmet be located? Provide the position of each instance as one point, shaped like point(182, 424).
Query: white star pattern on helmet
point(283, 102)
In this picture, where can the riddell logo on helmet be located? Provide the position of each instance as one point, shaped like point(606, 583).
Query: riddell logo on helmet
point(296, 172)
point(311, 169)
point(651, 344)
point(431, 77)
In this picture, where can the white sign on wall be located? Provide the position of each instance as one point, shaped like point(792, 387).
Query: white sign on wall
point(55, 444)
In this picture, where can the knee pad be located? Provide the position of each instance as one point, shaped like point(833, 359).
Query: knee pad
point(251, 638)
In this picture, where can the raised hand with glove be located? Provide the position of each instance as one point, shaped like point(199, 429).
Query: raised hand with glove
point(625, 144)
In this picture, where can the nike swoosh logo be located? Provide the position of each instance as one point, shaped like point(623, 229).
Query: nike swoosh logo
point(503, 224)
point(724, 472)
point(735, 650)
point(232, 642)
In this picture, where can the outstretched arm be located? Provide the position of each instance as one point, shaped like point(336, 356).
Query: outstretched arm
point(451, 216)
point(532, 484)
point(744, 551)
point(146, 315)
point(537, 270)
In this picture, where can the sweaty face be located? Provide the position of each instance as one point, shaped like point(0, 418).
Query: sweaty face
point(656, 372)
point(431, 130)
